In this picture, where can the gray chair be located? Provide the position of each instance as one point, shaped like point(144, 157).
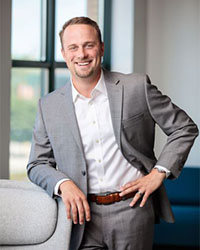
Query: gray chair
point(30, 219)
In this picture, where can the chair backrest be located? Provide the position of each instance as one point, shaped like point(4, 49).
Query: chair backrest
point(29, 218)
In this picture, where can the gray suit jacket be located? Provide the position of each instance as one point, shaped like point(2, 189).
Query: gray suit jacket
point(136, 106)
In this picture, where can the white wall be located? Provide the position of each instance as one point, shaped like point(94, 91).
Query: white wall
point(5, 64)
point(122, 28)
point(173, 52)
point(140, 36)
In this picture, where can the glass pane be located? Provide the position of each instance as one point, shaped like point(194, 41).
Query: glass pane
point(66, 9)
point(62, 76)
point(27, 85)
point(28, 29)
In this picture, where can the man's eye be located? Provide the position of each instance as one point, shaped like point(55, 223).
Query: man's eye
point(72, 48)
point(90, 45)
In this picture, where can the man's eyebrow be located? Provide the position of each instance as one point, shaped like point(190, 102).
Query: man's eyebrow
point(93, 41)
point(90, 41)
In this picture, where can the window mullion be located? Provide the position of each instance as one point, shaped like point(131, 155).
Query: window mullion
point(50, 49)
point(107, 33)
point(30, 64)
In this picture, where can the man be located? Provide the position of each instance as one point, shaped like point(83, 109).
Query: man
point(93, 145)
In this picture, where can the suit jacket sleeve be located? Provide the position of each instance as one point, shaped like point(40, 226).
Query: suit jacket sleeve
point(42, 165)
point(176, 124)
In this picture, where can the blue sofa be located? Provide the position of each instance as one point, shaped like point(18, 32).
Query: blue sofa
point(184, 197)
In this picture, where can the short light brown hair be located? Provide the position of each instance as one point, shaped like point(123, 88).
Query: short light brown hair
point(80, 20)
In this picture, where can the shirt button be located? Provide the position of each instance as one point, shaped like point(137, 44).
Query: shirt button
point(99, 161)
point(101, 179)
point(97, 141)
point(94, 122)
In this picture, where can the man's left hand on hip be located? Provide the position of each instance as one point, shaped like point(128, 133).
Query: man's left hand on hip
point(145, 186)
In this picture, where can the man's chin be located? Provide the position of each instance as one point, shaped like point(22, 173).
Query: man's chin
point(84, 74)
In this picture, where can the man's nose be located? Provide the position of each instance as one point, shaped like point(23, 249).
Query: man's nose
point(82, 52)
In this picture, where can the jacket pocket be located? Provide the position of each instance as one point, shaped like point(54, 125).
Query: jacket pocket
point(132, 120)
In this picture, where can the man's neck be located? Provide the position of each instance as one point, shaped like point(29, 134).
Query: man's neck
point(85, 85)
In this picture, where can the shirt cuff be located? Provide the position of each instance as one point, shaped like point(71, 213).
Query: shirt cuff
point(56, 188)
point(164, 169)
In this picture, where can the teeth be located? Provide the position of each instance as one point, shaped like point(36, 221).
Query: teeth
point(83, 64)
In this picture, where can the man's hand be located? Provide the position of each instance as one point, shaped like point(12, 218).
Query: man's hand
point(75, 201)
point(145, 186)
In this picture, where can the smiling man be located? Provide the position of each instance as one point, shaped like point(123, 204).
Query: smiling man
point(93, 145)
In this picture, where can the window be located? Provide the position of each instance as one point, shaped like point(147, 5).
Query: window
point(27, 85)
point(37, 65)
point(28, 30)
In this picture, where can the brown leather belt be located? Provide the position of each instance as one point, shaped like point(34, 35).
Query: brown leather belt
point(109, 198)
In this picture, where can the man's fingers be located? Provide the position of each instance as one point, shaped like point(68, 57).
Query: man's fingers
point(87, 210)
point(128, 190)
point(144, 199)
point(129, 185)
point(78, 211)
point(81, 212)
point(137, 196)
point(74, 212)
point(68, 210)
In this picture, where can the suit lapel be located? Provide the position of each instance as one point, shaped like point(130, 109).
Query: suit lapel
point(68, 113)
point(115, 93)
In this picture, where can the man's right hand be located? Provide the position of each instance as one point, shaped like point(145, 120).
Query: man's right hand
point(75, 201)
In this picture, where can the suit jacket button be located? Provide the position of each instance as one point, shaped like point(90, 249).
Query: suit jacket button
point(83, 173)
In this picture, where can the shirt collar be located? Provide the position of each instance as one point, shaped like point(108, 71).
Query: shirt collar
point(99, 88)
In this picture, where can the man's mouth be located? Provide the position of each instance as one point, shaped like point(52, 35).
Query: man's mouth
point(83, 63)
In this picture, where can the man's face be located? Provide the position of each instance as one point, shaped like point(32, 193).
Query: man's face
point(82, 51)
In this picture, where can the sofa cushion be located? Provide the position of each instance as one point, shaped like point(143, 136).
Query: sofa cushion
point(185, 190)
point(185, 230)
point(34, 214)
point(184, 197)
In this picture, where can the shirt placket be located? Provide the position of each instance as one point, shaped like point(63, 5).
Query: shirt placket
point(97, 146)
